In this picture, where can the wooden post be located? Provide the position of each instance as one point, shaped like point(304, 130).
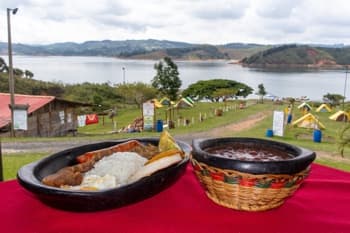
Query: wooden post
point(38, 132)
point(10, 71)
point(50, 120)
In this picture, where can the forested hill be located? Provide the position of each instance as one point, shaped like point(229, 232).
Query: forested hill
point(94, 48)
point(139, 49)
point(248, 54)
point(299, 56)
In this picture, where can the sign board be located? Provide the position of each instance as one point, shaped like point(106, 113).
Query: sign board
point(148, 116)
point(81, 120)
point(61, 115)
point(20, 119)
point(278, 123)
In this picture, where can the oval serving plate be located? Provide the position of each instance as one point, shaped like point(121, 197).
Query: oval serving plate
point(30, 176)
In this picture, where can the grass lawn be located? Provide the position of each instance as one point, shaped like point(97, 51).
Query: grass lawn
point(338, 164)
point(231, 113)
point(293, 135)
point(302, 136)
point(13, 162)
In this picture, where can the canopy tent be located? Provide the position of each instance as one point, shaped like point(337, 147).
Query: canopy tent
point(165, 101)
point(323, 108)
point(308, 121)
point(340, 116)
point(183, 103)
point(305, 107)
point(189, 100)
point(156, 103)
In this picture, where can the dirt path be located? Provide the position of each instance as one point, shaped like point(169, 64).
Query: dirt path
point(226, 129)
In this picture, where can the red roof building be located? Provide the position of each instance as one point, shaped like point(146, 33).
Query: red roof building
point(47, 115)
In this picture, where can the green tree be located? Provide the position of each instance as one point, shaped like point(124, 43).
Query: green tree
point(55, 90)
point(333, 99)
point(28, 74)
point(88, 92)
point(97, 100)
point(208, 89)
point(3, 66)
point(136, 93)
point(224, 93)
point(261, 92)
point(167, 80)
point(18, 72)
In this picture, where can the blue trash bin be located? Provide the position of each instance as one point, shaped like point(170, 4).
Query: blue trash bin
point(159, 126)
point(317, 135)
point(269, 133)
point(289, 118)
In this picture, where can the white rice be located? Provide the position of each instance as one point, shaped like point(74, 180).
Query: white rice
point(120, 165)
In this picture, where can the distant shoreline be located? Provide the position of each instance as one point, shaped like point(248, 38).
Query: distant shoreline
point(295, 66)
point(228, 61)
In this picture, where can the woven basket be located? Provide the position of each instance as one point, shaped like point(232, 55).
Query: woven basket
point(244, 191)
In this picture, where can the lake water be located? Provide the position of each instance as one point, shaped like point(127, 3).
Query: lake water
point(311, 83)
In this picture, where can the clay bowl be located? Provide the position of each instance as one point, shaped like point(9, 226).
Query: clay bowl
point(30, 176)
point(249, 173)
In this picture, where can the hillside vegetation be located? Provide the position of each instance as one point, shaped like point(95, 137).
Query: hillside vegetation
point(139, 49)
point(299, 56)
point(249, 54)
point(341, 55)
point(202, 52)
point(101, 96)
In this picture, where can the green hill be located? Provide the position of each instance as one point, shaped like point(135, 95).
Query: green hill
point(233, 51)
point(258, 55)
point(201, 52)
point(138, 49)
point(107, 48)
point(299, 56)
point(341, 55)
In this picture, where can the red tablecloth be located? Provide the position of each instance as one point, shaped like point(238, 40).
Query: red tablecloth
point(321, 205)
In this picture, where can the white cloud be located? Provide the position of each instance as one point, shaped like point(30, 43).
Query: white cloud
point(198, 21)
point(276, 9)
point(220, 9)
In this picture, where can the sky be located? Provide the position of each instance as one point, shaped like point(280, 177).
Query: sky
point(193, 21)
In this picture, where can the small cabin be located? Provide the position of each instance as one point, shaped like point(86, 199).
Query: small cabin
point(47, 116)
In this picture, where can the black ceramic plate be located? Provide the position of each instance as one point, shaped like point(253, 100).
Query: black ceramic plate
point(30, 176)
point(301, 157)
